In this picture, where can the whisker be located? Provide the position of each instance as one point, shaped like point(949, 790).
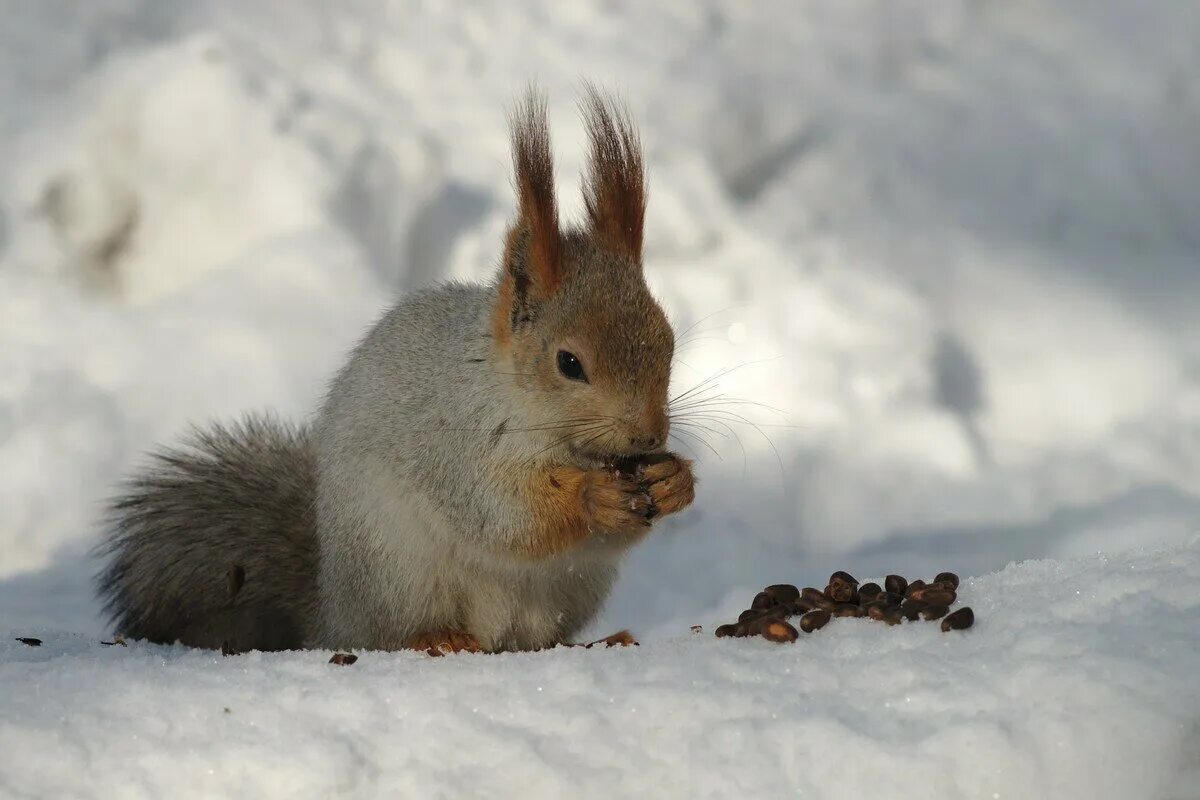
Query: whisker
point(697, 438)
point(720, 374)
point(692, 423)
point(705, 318)
point(682, 443)
point(695, 429)
point(719, 413)
point(744, 421)
point(698, 387)
point(550, 426)
point(733, 433)
point(582, 445)
point(695, 340)
point(721, 399)
point(600, 428)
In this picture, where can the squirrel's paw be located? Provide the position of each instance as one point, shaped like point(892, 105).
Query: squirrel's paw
point(669, 482)
point(616, 501)
point(439, 643)
point(618, 639)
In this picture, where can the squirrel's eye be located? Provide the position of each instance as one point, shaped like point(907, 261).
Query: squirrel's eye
point(570, 367)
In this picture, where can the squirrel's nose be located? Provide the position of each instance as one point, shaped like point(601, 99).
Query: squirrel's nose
point(645, 442)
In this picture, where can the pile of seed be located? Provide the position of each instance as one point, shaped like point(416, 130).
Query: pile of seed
point(895, 601)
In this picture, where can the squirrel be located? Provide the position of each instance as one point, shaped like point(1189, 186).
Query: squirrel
point(477, 470)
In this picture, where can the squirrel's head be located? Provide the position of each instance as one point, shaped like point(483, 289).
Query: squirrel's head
point(573, 314)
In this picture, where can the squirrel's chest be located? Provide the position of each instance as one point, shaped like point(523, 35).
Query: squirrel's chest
point(441, 579)
point(526, 606)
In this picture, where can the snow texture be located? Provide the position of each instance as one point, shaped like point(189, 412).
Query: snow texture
point(1077, 681)
point(941, 259)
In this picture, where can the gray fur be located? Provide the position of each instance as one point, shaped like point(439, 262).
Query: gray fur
point(408, 525)
point(413, 504)
point(240, 496)
point(407, 472)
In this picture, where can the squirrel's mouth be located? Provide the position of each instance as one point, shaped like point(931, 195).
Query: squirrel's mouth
point(610, 454)
point(597, 456)
point(624, 459)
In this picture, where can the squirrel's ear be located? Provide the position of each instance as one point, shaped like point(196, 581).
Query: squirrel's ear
point(614, 190)
point(533, 255)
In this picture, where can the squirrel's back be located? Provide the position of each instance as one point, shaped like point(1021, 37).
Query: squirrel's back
point(214, 544)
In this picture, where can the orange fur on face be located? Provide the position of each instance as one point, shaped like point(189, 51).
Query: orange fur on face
point(583, 290)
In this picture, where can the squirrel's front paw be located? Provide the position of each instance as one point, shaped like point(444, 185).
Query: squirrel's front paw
point(616, 501)
point(668, 480)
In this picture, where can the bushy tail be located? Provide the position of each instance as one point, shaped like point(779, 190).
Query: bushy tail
point(214, 544)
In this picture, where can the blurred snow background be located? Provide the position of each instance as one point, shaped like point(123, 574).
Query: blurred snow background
point(954, 247)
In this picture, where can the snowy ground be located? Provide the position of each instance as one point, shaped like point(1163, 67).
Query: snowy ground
point(955, 245)
point(1078, 681)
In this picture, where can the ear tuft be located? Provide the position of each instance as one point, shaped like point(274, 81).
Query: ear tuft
point(537, 225)
point(614, 190)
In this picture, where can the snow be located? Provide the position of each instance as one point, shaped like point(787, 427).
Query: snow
point(951, 249)
point(1076, 681)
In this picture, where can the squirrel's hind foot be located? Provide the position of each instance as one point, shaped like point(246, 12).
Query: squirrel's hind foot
point(618, 639)
point(439, 643)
